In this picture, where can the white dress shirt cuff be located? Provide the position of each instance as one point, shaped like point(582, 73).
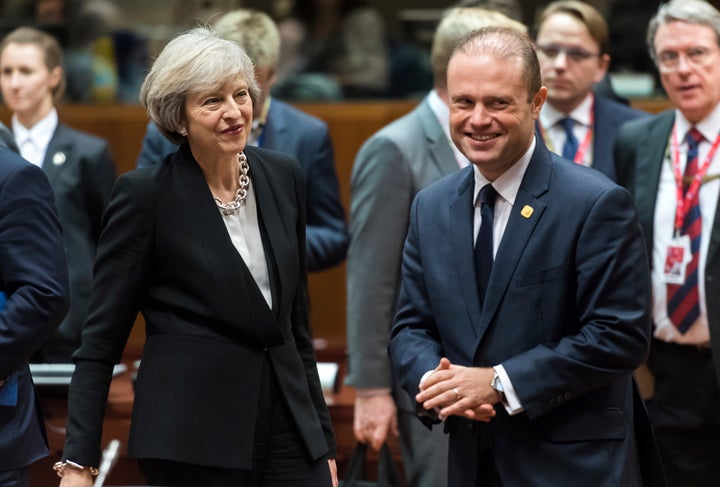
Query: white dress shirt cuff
point(512, 401)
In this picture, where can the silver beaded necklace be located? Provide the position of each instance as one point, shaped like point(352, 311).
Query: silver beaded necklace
point(244, 181)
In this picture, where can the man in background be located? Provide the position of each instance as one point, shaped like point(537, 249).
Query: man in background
point(572, 44)
point(389, 170)
point(670, 164)
point(279, 126)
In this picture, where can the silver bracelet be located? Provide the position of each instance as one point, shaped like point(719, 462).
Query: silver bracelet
point(60, 468)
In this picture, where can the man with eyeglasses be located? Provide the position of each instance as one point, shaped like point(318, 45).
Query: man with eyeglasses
point(670, 164)
point(572, 44)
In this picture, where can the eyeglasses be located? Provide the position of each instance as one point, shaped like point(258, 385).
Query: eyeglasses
point(695, 56)
point(574, 54)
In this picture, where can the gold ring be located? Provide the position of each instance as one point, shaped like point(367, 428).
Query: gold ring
point(457, 393)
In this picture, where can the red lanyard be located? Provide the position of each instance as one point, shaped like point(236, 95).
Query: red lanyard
point(685, 202)
point(585, 145)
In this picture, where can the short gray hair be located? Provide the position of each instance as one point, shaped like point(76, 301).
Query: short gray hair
point(456, 24)
point(696, 12)
point(255, 31)
point(197, 60)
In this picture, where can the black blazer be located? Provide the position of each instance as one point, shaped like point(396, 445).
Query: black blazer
point(81, 172)
point(165, 251)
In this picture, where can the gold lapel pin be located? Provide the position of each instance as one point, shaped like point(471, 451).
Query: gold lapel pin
point(527, 211)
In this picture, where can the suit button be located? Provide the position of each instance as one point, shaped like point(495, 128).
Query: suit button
point(568, 396)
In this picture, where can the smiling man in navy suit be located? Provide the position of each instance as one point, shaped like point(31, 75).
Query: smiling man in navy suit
point(526, 345)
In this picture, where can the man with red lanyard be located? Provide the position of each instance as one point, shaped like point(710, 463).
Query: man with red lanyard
point(671, 165)
point(572, 45)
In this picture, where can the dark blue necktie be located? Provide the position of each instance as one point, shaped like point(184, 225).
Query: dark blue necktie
point(484, 241)
point(570, 146)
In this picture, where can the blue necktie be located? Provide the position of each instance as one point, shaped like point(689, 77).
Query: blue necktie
point(571, 143)
point(484, 241)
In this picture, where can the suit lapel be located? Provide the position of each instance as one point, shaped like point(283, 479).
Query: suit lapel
point(460, 223)
point(603, 120)
point(650, 158)
point(275, 127)
point(518, 230)
point(440, 151)
point(58, 153)
point(214, 237)
point(278, 248)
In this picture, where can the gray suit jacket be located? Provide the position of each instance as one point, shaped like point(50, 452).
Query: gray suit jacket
point(81, 173)
point(390, 169)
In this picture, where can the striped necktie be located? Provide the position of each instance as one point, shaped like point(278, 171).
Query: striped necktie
point(683, 300)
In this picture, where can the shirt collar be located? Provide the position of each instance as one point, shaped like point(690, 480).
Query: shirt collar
point(40, 133)
point(442, 113)
point(708, 126)
point(549, 115)
point(508, 183)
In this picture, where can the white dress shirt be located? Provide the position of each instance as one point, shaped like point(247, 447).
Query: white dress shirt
point(554, 133)
point(664, 219)
point(33, 142)
point(244, 229)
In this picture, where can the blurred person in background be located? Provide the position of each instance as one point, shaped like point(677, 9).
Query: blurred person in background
point(78, 165)
point(572, 44)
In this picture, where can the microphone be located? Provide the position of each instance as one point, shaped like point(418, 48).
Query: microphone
point(109, 457)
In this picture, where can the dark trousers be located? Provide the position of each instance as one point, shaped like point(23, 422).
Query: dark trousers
point(279, 456)
point(15, 478)
point(685, 411)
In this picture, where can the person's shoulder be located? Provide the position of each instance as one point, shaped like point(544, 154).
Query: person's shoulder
point(446, 186)
point(406, 131)
point(293, 115)
point(79, 138)
point(10, 162)
point(632, 130)
point(270, 157)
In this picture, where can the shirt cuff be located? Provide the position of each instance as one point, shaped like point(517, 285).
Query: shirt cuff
point(372, 391)
point(512, 401)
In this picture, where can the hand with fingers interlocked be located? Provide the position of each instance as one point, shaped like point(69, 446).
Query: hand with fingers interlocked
point(458, 390)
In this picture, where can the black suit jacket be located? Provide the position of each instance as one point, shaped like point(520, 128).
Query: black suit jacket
point(33, 277)
point(81, 173)
point(165, 251)
point(639, 155)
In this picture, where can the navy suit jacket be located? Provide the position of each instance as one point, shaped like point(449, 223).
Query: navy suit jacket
point(82, 174)
point(639, 154)
point(609, 116)
point(33, 277)
point(567, 314)
point(293, 132)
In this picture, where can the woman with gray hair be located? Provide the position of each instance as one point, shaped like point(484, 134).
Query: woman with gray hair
point(209, 246)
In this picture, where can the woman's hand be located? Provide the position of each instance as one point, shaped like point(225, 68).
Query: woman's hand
point(333, 471)
point(76, 478)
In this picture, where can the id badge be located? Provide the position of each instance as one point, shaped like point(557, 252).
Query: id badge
point(677, 259)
